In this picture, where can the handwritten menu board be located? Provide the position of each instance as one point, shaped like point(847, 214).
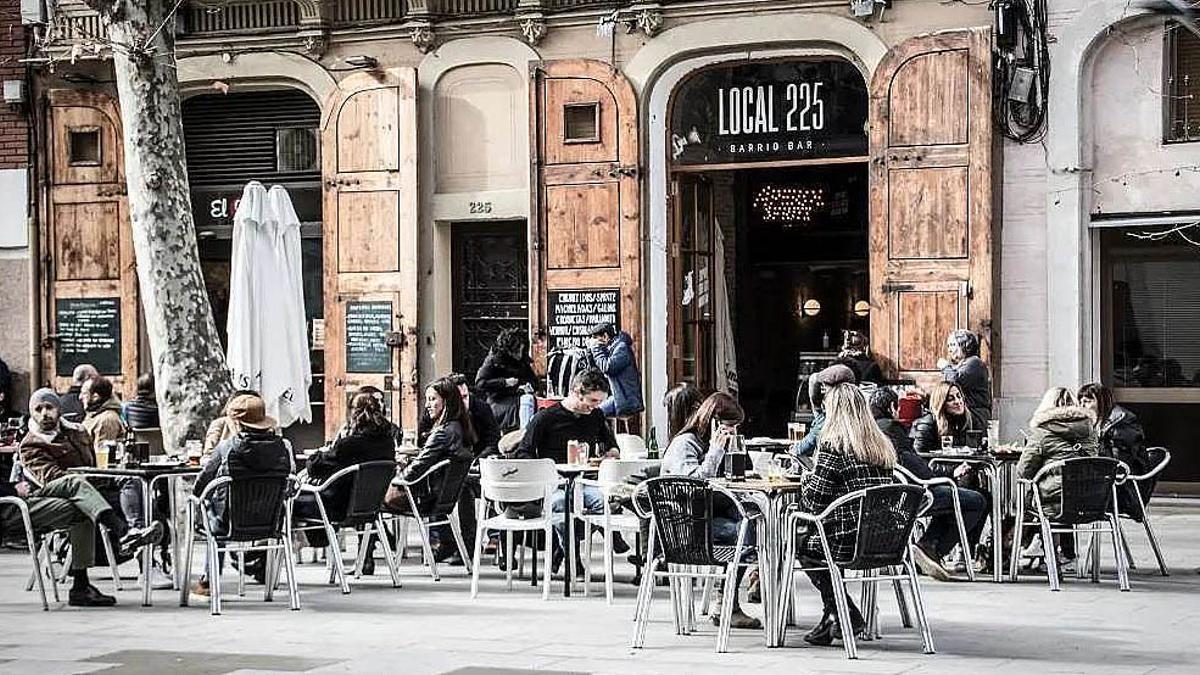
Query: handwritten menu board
point(571, 314)
point(367, 326)
point(89, 331)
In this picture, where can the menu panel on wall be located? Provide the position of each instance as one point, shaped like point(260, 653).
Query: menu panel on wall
point(571, 314)
point(367, 326)
point(766, 111)
point(89, 332)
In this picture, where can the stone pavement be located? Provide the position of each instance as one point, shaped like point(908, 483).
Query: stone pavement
point(434, 627)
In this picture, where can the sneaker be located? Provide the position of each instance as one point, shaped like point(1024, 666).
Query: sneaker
point(159, 580)
point(929, 564)
point(1034, 549)
point(753, 589)
point(89, 596)
point(738, 619)
point(201, 588)
point(136, 538)
point(1070, 566)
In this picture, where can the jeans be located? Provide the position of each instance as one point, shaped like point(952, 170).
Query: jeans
point(131, 502)
point(725, 531)
point(593, 503)
point(942, 533)
point(527, 407)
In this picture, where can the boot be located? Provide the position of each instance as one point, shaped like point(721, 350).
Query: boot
point(821, 634)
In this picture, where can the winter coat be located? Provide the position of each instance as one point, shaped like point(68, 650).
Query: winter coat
point(482, 421)
point(1122, 437)
point(104, 423)
point(837, 473)
point(971, 376)
point(927, 438)
point(141, 413)
point(1058, 434)
point(616, 361)
point(505, 400)
point(371, 445)
point(44, 461)
point(865, 368)
point(71, 407)
point(445, 441)
point(246, 454)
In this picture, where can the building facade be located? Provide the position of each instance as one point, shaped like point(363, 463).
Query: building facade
point(734, 183)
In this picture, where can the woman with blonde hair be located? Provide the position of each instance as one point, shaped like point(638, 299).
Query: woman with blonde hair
point(947, 417)
point(852, 454)
point(1060, 429)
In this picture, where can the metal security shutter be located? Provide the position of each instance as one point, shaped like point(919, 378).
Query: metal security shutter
point(231, 138)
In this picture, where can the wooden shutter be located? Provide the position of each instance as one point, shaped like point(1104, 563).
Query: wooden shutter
point(588, 233)
point(90, 313)
point(931, 198)
point(370, 240)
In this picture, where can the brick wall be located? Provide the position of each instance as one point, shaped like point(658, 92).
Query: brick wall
point(14, 150)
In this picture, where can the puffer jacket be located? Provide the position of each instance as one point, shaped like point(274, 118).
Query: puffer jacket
point(1122, 437)
point(616, 361)
point(927, 438)
point(1058, 434)
point(504, 400)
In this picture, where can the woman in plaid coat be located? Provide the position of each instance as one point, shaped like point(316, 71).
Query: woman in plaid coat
point(853, 454)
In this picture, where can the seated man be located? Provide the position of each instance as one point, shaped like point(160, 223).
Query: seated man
point(577, 417)
point(64, 501)
point(254, 450)
point(942, 533)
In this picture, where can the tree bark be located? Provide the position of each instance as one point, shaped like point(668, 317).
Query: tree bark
point(189, 366)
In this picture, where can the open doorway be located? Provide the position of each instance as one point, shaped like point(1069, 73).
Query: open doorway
point(791, 250)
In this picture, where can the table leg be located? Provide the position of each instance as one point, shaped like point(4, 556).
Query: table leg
point(569, 543)
point(766, 575)
point(998, 492)
point(147, 551)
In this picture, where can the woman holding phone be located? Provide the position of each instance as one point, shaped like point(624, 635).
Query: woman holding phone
point(698, 451)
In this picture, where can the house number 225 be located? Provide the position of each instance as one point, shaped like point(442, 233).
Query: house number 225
point(480, 207)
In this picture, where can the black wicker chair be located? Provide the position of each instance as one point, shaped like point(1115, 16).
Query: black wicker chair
point(442, 511)
point(1138, 508)
point(905, 476)
point(1087, 503)
point(886, 517)
point(368, 483)
point(681, 514)
point(256, 515)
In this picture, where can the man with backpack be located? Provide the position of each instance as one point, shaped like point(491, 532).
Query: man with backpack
point(254, 450)
point(612, 354)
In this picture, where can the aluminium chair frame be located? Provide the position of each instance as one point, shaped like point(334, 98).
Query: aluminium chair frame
point(907, 476)
point(424, 523)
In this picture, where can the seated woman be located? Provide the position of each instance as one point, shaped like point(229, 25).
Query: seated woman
point(368, 437)
point(698, 451)
point(853, 454)
point(947, 417)
point(1120, 435)
point(1061, 429)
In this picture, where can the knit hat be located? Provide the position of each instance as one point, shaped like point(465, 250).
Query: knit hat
point(967, 341)
point(44, 395)
point(833, 375)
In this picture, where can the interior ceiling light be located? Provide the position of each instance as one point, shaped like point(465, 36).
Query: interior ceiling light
point(788, 204)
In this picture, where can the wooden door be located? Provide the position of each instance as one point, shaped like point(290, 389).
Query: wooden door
point(490, 279)
point(587, 235)
point(691, 305)
point(931, 199)
point(370, 239)
point(90, 312)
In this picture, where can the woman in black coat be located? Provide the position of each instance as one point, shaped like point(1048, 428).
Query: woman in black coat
point(368, 437)
point(1121, 436)
point(506, 369)
point(452, 437)
point(947, 416)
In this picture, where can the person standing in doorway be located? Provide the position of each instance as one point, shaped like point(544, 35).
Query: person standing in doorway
point(506, 376)
point(970, 373)
point(72, 403)
point(612, 352)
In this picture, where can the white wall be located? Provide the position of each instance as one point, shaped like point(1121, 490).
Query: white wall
point(14, 228)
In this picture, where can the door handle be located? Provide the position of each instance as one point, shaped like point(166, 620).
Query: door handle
point(897, 288)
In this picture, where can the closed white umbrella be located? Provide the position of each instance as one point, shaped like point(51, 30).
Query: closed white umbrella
point(727, 375)
point(244, 352)
point(288, 372)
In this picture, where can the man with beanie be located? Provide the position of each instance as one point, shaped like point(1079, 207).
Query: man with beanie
point(65, 501)
point(612, 352)
point(71, 403)
point(818, 384)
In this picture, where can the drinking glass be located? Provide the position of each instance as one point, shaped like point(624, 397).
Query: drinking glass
point(947, 443)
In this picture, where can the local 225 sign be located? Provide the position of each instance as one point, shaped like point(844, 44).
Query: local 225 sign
point(769, 111)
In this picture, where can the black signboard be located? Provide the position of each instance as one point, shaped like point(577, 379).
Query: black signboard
point(89, 331)
point(215, 206)
point(769, 111)
point(367, 326)
point(571, 314)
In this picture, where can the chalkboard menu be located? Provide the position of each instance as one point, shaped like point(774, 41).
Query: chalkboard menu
point(89, 331)
point(571, 314)
point(367, 326)
point(765, 111)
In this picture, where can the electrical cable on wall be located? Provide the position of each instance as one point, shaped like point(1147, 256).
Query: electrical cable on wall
point(1022, 77)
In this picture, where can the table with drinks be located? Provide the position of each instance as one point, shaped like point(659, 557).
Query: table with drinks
point(579, 462)
point(132, 460)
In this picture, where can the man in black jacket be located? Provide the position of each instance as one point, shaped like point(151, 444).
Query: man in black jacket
point(72, 404)
point(941, 535)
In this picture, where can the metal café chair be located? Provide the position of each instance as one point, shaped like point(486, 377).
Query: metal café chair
point(1140, 513)
point(444, 511)
point(35, 550)
point(613, 472)
point(905, 476)
point(887, 515)
point(368, 483)
point(258, 511)
point(680, 510)
point(1088, 503)
point(511, 481)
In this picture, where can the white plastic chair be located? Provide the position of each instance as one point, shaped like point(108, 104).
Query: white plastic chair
point(613, 473)
point(511, 481)
point(632, 446)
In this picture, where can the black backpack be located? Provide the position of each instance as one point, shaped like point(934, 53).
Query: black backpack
point(258, 453)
